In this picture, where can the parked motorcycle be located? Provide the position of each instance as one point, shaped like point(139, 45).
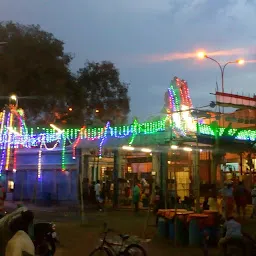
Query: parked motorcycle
point(45, 238)
point(2, 214)
point(43, 234)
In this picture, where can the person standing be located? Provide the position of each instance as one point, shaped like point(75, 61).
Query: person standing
point(157, 201)
point(240, 198)
point(92, 193)
point(99, 200)
point(228, 199)
point(136, 197)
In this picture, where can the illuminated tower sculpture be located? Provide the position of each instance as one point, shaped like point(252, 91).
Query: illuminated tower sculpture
point(178, 104)
point(11, 125)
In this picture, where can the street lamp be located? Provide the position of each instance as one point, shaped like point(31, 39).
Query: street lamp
point(202, 55)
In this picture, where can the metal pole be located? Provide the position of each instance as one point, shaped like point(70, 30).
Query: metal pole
point(197, 170)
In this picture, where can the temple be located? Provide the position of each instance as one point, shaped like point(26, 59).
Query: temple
point(38, 161)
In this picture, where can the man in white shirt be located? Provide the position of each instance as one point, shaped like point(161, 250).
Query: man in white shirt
point(97, 189)
point(21, 244)
point(233, 231)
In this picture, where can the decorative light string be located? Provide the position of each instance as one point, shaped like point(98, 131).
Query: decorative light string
point(5, 137)
point(9, 134)
point(42, 137)
point(2, 142)
point(77, 141)
point(39, 165)
point(14, 160)
point(104, 138)
point(63, 153)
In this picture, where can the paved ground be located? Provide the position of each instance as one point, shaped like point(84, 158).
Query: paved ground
point(77, 239)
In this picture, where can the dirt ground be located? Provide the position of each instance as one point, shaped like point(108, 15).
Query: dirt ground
point(81, 240)
point(77, 239)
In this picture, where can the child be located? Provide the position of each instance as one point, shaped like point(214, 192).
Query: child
point(233, 230)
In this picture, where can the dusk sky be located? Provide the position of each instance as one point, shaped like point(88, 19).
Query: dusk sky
point(146, 40)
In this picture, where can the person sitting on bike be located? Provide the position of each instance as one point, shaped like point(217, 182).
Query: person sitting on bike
point(21, 243)
point(233, 231)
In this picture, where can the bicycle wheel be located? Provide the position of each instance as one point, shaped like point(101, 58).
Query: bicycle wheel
point(134, 250)
point(101, 252)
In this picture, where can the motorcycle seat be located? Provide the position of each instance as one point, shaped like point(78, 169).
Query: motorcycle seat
point(124, 237)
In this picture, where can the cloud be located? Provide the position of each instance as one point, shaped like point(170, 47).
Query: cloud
point(152, 40)
point(193, 55)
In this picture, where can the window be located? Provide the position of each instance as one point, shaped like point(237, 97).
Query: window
point(10, 186)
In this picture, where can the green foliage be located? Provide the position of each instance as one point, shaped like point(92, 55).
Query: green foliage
point(33, 63)
point(103, 95)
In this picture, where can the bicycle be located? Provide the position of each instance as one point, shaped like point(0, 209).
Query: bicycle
point(109, 248)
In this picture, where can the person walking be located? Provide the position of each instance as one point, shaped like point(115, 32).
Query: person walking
point(136, 197)
point(228, 199)
point(92, 195)
point(98, 190)
point(241, 199)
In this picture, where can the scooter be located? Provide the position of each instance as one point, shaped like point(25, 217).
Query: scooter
point(43, 234)
point(2, 214)
point(45, 238)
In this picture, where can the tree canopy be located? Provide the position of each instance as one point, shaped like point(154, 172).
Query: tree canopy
point(103, 95)
point(33, 63)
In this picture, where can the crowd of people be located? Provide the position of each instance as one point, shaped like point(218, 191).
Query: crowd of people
point(98, 193)
point(234, 197)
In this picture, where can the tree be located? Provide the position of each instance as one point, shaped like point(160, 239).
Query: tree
point(103, 96)
point(33, 63)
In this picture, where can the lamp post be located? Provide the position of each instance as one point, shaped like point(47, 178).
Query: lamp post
point(202, 55)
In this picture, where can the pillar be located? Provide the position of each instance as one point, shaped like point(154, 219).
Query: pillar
point(156, 166)
point(116, 175)
point(214, 164)
point(217, 159)
point(85, 166)
point(163, 173)
point(196, 178)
